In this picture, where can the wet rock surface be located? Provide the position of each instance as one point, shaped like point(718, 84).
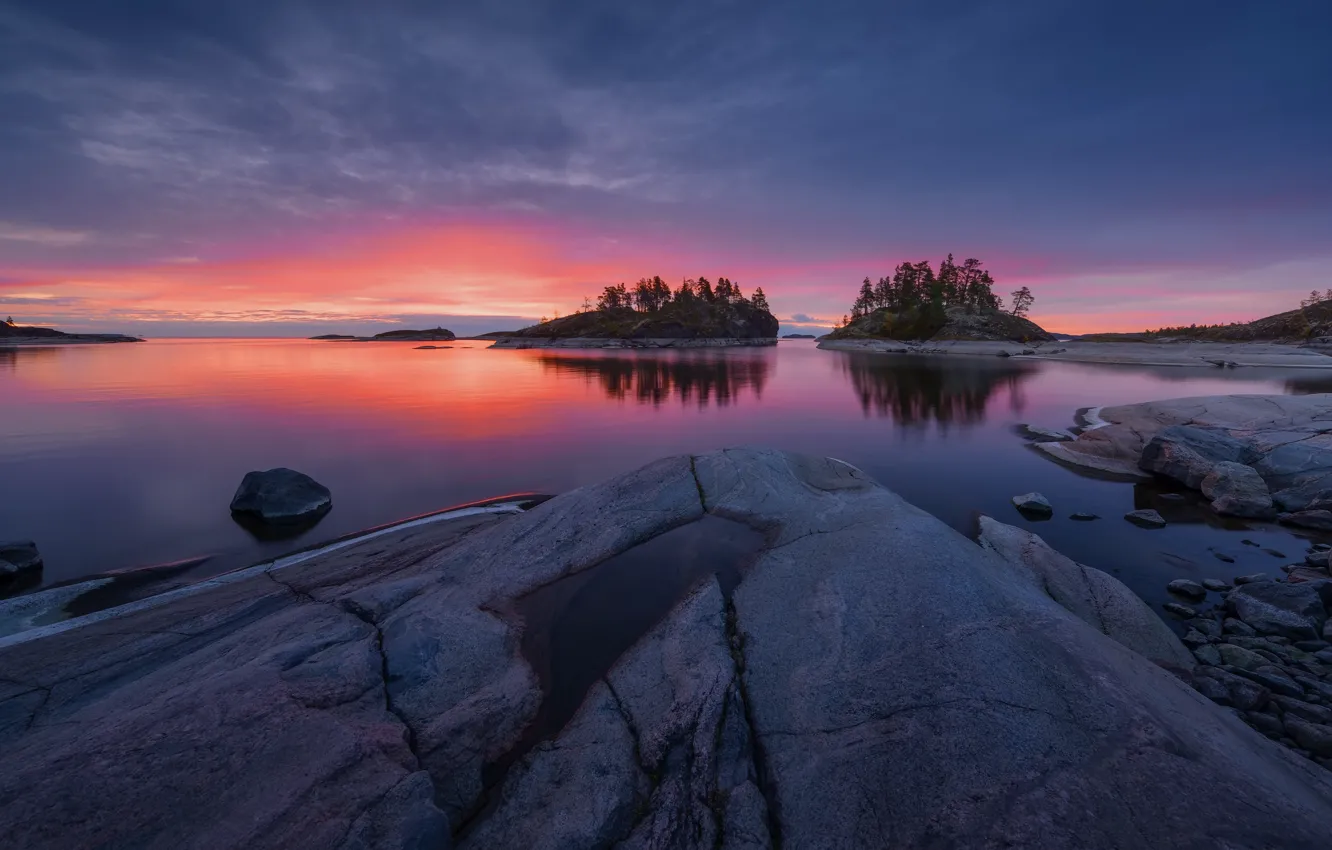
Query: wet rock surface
point(846, 672)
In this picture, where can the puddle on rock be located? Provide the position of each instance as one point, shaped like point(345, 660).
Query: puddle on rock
point(576, 628)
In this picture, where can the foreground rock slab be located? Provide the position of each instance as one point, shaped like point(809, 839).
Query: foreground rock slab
point(866, 678)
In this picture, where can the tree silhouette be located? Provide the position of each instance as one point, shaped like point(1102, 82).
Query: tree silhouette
point(1022, 301)
point(760, 301)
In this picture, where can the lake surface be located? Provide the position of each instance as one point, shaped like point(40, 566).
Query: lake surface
point(122, 456)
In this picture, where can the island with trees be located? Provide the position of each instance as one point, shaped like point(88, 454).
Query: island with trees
point(650, 314)
point(956, 302)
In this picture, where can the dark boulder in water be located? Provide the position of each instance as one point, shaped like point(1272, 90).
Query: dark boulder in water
point(281, 497)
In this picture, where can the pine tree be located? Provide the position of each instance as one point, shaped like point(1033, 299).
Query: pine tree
point(759, 300)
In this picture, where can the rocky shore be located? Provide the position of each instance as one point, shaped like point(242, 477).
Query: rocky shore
point(1256, 457)
point(796, 657)
point(1221, 355)
point(596, 342)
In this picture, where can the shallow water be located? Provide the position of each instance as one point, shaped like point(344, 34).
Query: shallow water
point(121, 456)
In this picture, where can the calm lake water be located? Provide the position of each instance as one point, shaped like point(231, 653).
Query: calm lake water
point(113, 457)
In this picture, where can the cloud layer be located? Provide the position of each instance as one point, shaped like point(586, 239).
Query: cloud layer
point(1133, 162)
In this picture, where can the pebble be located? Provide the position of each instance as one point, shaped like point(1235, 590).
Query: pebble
point(1084, 517)
point(1180, 610)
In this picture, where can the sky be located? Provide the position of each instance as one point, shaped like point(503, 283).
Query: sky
point(283, 168)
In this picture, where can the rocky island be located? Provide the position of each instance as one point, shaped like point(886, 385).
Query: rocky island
point(12, 334)
point(651, 315)
point(797, 658)
point(428, 335)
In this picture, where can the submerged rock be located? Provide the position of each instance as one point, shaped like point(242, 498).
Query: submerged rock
point(1034, 504)
point(281, 496)
point(1187, 588)
point(867, 677)
point(1146, 518)
point(18, 556)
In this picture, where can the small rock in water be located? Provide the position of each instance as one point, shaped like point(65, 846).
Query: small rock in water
point(1047, 435)
point(1180, 610)
point(1250, 579)
point(1274, 553)
point(1220, 556)
point(1172, 497)
point(1146, 519)
point(1216, 585)
point(281, 496)
point(1034, 505)
point(1187, 588)
point(1248, 542)
point(1081, 516)
point(19, 556)
point(1321, 547)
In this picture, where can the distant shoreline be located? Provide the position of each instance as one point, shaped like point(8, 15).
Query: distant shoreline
point(71, 339)
point(1172, 353)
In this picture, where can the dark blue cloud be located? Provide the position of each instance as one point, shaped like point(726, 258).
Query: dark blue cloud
point(1091, 131)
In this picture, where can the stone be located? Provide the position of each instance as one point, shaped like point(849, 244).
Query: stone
point(1179, 610)
point(1082, 516)
point(1317, 558)
point(1274, 553)
point(1216, 585)
point(19, 556)
point(1305, 710)
point(1238, 490)
point(1276, 681)
point(1319, 520)
point(1250, 579)
point(1269, 724)
point(1194, 639)
point(1188, 454)
point(1314, 737)
point(1037, 432)
point(1186, 588)
point(1096, 597)
point(1324, 656)
point(1295, 611)
point(281, 496)
point(1208, 626)
point(1207, 654)
point(1146, 519)
point(1238, 656)
point(866, 676)
point(1224, 558)
point(1240, 692)
point(1212, 688)
point(1237, 627)
point(1034, 505)
point(1312, 646)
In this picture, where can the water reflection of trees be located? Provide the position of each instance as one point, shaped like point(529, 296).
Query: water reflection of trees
point(11, 355)
point(651, 378)
point(914, 390)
